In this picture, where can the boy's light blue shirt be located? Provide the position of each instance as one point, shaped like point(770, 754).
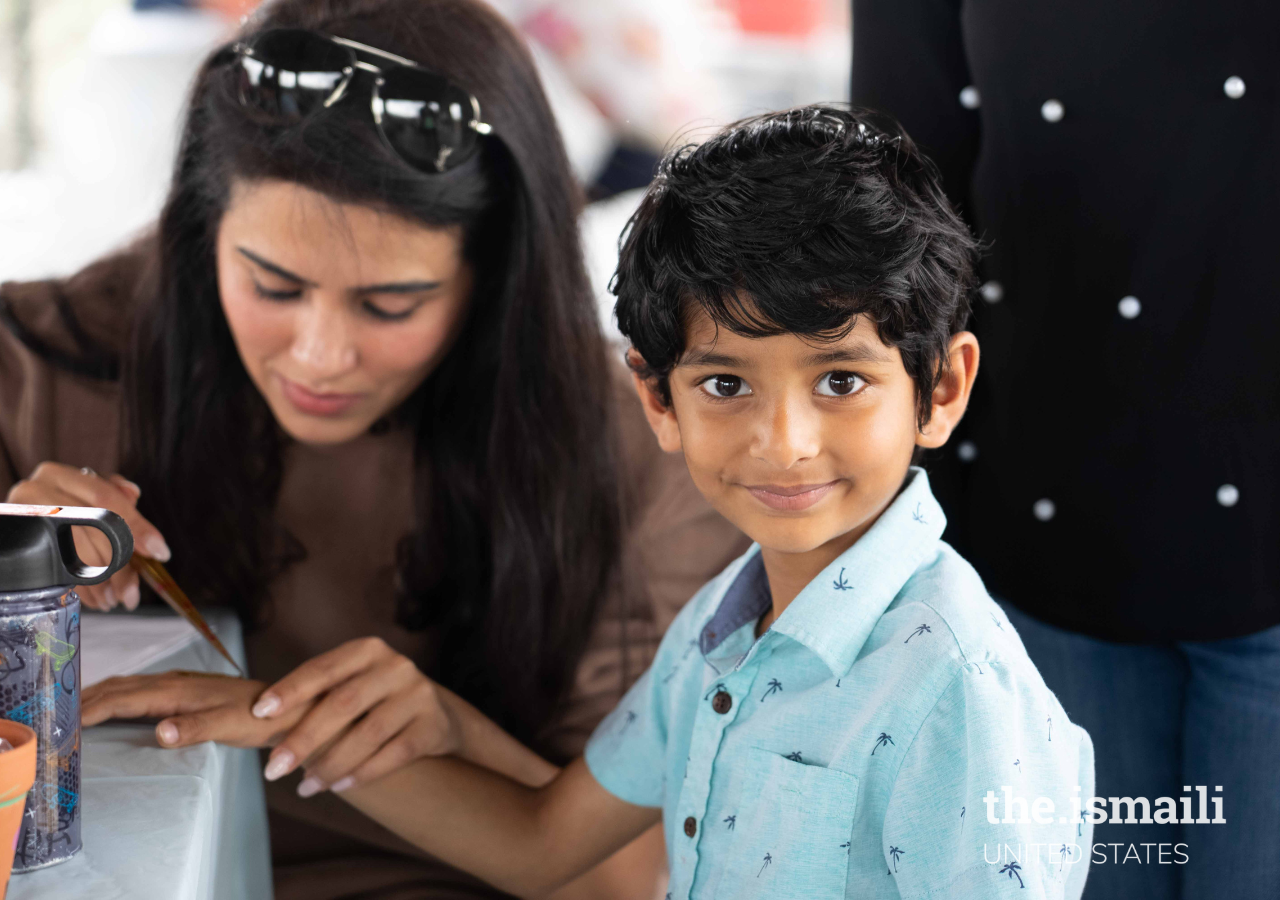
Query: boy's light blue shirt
point(863, 731)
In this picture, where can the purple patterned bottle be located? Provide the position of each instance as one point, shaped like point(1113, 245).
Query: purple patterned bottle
point(40, 661)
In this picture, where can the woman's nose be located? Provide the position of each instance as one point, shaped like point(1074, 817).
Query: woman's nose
point(323, 343)
point(788, 434)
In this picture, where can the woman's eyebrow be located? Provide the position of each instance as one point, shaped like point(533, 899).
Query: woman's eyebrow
point(272, 267)
point(400, 287)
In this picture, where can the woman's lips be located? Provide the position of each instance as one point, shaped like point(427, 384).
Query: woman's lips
point(315, 404)
point(790, 497)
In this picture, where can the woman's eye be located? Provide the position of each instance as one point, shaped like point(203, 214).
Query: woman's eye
point(269, 294)
point(840, 384)
point(726, 386)
point(388, 315)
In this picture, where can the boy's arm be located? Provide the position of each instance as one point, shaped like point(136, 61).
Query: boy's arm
point(522, 840)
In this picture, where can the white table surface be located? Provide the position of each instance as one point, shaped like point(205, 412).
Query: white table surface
point(187, 824)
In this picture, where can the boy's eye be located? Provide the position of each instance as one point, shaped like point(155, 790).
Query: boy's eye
point(840, 384)
point(726, 386)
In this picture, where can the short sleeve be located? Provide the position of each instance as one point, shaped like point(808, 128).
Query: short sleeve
point(983, 805)
point(627, 752)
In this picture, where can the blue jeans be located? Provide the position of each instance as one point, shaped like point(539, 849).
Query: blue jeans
point(1165, 716)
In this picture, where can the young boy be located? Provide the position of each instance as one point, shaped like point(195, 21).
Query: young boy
point(843, 712)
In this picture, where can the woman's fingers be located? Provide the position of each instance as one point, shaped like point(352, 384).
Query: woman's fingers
point(114, 493)
point(168, 694)
point(362, 742)
point(224, 724)
point(336, 711)
point(396, 753)
point(320, 674)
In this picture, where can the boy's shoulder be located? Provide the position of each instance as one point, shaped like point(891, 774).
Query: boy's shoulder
point(946, 600)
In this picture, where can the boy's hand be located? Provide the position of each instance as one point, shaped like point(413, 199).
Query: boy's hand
point(193, 707)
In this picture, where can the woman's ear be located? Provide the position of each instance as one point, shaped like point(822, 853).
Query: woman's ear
point(951, 396)
point(661, 415)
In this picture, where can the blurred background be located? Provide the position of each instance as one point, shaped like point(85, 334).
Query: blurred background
point(91, 93)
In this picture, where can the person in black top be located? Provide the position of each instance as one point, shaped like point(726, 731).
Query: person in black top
point(1116, 477)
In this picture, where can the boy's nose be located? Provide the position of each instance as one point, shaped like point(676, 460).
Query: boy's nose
point(323, 342)
point(789, 434)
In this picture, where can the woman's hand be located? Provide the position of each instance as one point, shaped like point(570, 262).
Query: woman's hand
point(193, 707)
point(371, 712)
point(56, 484)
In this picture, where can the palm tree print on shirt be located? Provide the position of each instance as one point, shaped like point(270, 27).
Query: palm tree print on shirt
point(921, 630)
point(881, 741)
point(794, 756)
point(918, 515)
point(767, 860)
point(774, 686)
point(847, 846)
point(1017, 764)
point(631, 717)
point(962, 809)
point(1013, 868)
point(894, 853)
point(718, 687)
point(1050, 729)
point(731, 821)
point(841, 584)
point(997, 621)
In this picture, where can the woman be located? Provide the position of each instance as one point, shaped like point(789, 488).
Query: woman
point(362, 392)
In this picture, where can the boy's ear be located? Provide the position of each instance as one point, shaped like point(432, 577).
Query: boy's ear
point(662, 417)
point(951, 396)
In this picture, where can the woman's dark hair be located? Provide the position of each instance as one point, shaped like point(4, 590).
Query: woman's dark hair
point(516, 514)
point(797, 222)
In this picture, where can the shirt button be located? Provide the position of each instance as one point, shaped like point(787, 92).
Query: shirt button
point(1228, 495)
point(1233, 87)
point(992, 291)
point(722, 702)
point(1129, 307)
point(967, 451)
point(1044, 509)
point(1052, 110)
point(690, 826)
point(970, 98)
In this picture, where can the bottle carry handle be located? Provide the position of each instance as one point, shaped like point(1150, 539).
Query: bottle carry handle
point(60, 519)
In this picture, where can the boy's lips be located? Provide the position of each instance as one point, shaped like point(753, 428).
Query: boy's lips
point(790, 497)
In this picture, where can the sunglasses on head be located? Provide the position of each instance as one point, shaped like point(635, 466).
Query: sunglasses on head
point(286, 75)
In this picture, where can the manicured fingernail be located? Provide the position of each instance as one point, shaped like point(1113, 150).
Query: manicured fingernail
point(112, 599)
point(131, 596)
point(342, 784)
point(268, 705)
point(167, 732)
point(310, 786)
point(281, 762)
point(157, 548)
point(136, 489)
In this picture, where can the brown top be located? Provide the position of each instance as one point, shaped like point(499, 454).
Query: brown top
point(348, 507)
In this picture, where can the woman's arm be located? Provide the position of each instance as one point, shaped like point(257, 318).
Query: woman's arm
point(523, 840)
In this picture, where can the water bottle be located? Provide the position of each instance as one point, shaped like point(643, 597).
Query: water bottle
point(40, 660)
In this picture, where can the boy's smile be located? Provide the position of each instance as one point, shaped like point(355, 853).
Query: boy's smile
point(801, 443)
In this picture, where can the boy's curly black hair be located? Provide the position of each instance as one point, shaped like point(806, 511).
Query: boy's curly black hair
point(797, 222)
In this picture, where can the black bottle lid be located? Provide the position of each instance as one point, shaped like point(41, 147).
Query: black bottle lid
point(37, 550)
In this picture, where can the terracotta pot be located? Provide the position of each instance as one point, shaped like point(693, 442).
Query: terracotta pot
point(17, 773)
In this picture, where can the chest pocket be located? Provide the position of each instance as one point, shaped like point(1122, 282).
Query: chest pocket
point(791, 837)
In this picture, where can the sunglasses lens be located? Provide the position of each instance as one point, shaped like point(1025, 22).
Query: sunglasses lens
point(291, 73)
point(425, 119)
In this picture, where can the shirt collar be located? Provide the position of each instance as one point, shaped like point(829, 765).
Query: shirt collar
point(835, 613)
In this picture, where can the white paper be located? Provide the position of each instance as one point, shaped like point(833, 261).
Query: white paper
point(121, 644)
